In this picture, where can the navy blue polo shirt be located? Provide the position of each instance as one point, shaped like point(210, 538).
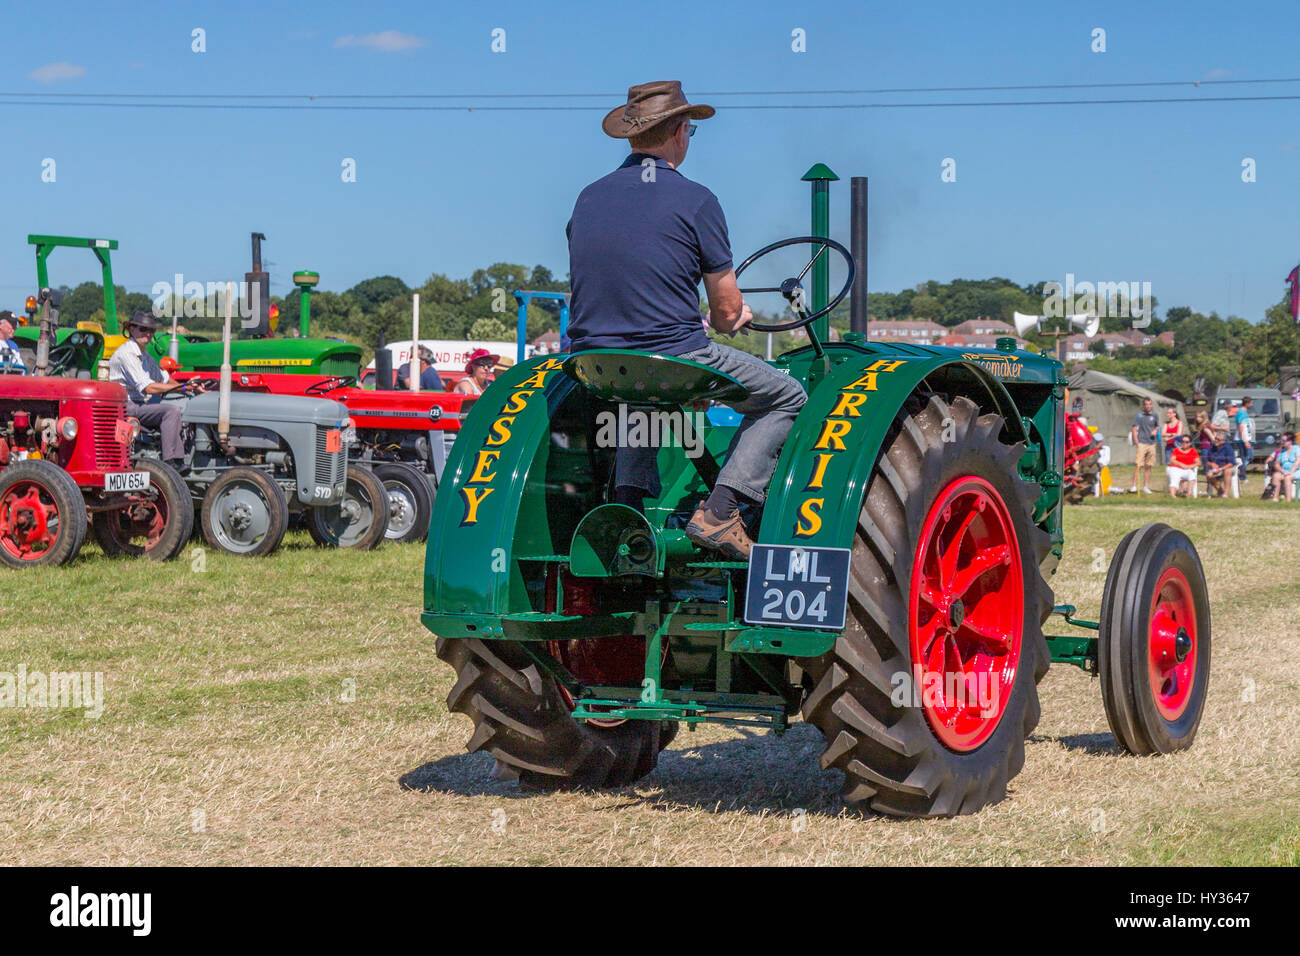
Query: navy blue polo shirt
point(637, 252)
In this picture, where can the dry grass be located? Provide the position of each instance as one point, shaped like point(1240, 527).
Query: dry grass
point(225, 739)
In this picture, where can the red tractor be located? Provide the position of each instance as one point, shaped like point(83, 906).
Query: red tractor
point(403, 437)
point(1082, 459)
point(65, 461)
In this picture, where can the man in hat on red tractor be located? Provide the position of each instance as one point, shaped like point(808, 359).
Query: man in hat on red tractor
point(135, 369)
point(641, 240)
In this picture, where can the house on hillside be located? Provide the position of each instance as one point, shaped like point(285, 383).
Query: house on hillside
point(1080, 348)
point(983, 326)
point(917, 332)
point(548, 343)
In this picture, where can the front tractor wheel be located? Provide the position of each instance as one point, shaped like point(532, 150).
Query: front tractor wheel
point(244, 512)
point(931, 689)
point(410, 501)
point(156, 523)
point(42, 515)
point(359, 520)
point(1154, 644)
point(523, 719)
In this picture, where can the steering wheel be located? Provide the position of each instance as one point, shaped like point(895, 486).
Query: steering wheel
point(792, 288)
point(61, 357)
point(327, 385)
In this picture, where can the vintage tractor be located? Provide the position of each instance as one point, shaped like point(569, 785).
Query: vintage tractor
point(272, 456)
point(402, 436)
point(65, 455)
point(895, 598)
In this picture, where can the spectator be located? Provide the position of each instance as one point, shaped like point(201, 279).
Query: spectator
point(429, 378)
point(1183, 462)
point(1288, 460)
point(1243, 429)
point(1219, 462)
point(1202, 432)
point(1170, 431)
point(1221, 422)
point(1145, 430)
point(8, 347)
point(478, 372)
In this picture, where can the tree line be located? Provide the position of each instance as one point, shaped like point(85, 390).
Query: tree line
point(1209, 348)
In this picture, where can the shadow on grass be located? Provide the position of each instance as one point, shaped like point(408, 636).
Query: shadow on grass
point(756, 772)
point(1094, 744)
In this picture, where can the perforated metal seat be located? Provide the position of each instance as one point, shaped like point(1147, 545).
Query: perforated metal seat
point(646, 378)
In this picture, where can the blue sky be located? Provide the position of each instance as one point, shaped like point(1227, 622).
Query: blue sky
point(1109, 193)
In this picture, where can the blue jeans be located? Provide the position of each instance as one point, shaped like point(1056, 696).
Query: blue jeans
point(769, 411)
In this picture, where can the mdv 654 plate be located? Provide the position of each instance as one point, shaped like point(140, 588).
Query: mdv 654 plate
point(790, 586)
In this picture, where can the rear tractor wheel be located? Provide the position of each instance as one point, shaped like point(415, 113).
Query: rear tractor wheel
point(42, 515)
point(244, 512)
point(1154, 644)
point(931, 689)
point(156, 524)
point(523, 718)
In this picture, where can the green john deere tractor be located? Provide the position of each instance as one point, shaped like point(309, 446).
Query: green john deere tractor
point(895, 598)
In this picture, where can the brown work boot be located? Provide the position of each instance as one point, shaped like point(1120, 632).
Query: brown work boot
point(728, 537)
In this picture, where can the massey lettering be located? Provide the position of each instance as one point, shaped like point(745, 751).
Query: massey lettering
point(479, 484)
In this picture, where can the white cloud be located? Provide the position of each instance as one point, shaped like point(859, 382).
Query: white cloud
point(1217, 74)
point(389, 41)
point(53, 72)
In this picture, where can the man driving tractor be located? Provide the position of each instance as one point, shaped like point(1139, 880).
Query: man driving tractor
point(640, 241)
point(145, 382)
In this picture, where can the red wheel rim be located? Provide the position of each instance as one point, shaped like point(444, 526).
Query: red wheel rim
point(966, 614)
point(144, 518)
point(29, 521)
point(1171, 663)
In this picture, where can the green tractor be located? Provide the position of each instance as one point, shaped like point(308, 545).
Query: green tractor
point(895, 598)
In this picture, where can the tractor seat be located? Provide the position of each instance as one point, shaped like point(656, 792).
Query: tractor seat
point(645, 378)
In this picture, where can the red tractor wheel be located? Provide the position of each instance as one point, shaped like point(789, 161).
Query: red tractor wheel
point(1154, 644)
point(157, 523)
point(42, 515)
point(931, 688)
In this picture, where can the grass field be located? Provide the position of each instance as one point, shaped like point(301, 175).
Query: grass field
point(290, 710)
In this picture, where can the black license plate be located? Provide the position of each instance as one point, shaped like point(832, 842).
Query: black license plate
point(790, 586)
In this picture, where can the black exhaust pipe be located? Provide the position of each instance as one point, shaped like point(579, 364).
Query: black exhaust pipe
point(858, 315)
point(383, 368)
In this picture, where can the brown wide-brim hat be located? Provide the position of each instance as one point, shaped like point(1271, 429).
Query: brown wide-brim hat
point(648, 105)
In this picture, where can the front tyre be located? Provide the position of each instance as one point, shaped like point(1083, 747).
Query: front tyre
point(359, 520)
point(410, 501)
point(42, 515)
point(931, 689)
point(1154, 643)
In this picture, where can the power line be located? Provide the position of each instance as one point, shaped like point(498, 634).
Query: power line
point(571, 108)
point(499, 96)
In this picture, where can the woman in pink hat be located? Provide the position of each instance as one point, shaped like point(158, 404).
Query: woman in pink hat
point(478, 372)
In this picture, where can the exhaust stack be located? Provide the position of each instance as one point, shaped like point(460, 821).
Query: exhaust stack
point(223, 400)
